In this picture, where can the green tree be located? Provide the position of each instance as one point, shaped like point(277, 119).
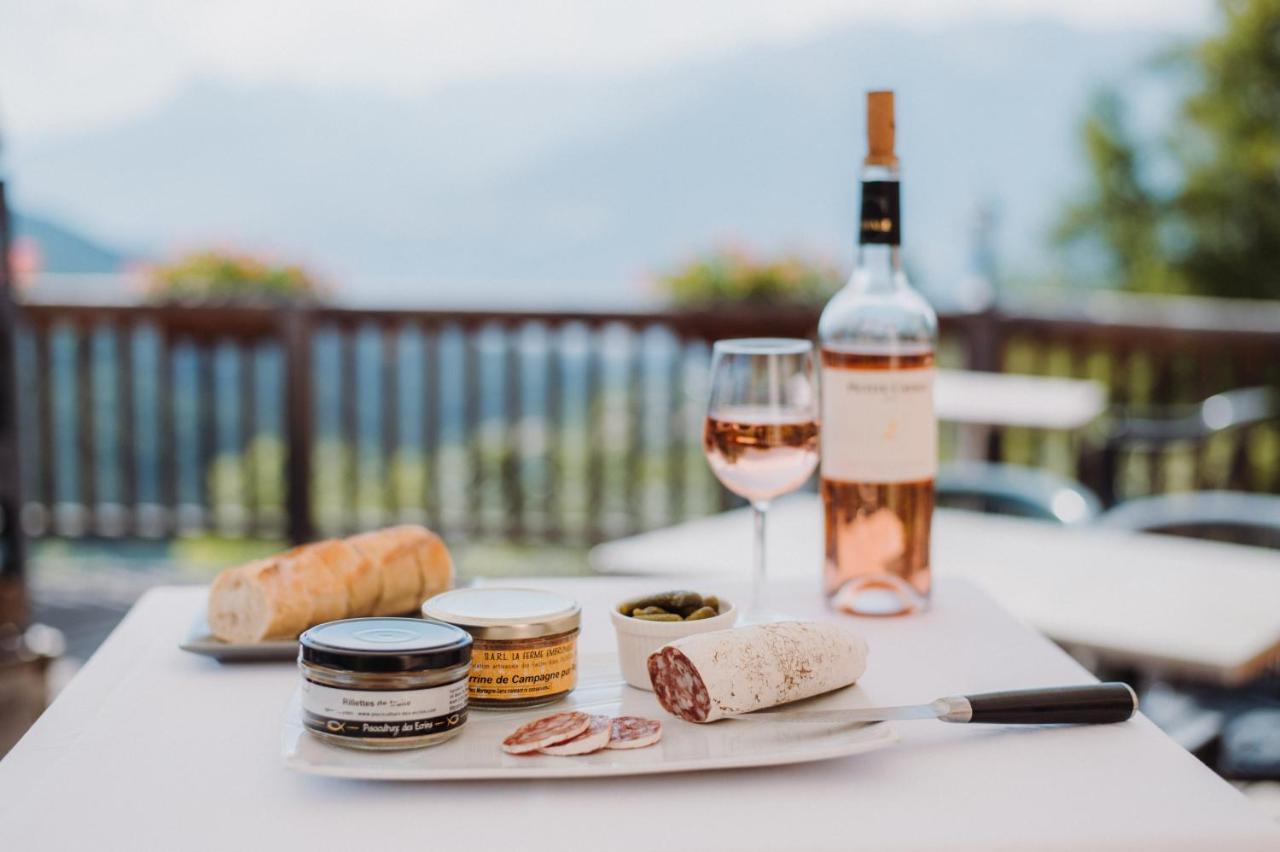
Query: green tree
point(1215, 229)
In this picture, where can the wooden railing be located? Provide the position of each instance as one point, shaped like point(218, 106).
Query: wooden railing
point(156, 421)
point(160, 421)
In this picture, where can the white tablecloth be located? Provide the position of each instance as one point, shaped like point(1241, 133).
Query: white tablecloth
point(152, 748)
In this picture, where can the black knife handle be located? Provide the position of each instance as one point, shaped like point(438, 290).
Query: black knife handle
point(1094, 704)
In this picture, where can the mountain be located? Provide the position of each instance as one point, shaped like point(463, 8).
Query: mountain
point(575, 189)
point(66, 251)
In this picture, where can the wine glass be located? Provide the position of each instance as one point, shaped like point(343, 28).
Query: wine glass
point(761, 434)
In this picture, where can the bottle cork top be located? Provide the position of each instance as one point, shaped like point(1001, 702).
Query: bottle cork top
point(880, 129)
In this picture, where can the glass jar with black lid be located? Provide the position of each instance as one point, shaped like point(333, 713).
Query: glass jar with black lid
point(384, 683)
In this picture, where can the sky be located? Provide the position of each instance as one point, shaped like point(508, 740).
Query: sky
point(67, 65)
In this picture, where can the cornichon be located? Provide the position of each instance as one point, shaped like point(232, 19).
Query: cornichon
point(669, 601)
point(672, 606)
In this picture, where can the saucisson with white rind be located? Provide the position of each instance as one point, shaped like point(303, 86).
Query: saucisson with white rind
point(709, 676)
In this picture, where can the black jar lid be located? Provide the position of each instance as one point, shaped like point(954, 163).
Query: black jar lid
point(385, 645)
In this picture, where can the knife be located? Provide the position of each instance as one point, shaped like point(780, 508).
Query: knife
point(1093, 704)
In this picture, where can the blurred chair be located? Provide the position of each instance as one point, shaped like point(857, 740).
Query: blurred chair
point(1230, 516)
point(1237, 731)
point(1150, 430)
point(1250, 748)
point(1227, 728)
point(1009, 489)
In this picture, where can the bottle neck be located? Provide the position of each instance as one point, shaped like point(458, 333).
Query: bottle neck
point(880, 263)
point(879, 258)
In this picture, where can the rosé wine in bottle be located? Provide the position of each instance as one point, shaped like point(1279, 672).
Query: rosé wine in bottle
point(879, 431)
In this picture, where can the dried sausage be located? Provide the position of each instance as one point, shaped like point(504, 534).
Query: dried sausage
point(634, 732)
point(547, 731)
point(708, 676)
point(594, 738)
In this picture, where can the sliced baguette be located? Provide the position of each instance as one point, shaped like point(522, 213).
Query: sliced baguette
point(256, 602)
point(313, 578)
point(434, 565)
point(394, 554)
point(387, 572)
point(362, 581)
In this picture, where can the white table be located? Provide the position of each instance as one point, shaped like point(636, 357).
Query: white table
point(1192, 608)
point(1009, 399)
point(979, 403)
point(151, 748)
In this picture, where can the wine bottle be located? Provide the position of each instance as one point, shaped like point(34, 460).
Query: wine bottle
point(879, 432)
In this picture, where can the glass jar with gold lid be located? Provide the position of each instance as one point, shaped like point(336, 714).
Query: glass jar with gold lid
point(525, 643)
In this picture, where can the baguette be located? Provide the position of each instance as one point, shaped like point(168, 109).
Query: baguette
point(317, 581)
point(361, 579)
point(256, 602)
point(435, 565)
point(395, 553)
point(386, 572)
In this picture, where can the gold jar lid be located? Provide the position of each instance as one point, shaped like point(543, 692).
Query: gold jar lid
point(494, 613)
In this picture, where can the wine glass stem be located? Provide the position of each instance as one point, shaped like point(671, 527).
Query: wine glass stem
point(758, 509)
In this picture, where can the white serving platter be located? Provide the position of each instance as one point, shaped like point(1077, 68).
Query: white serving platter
point(685, 746)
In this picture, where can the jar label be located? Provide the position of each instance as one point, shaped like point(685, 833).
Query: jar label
point(392, 714)
point(878, 425)
point(508, 672)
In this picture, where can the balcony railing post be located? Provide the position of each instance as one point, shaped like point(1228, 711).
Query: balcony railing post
point(984, 341)
point(13, 545)
point(984, 352)
point(299, 438)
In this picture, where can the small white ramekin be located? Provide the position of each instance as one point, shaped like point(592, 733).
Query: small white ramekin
point(637, 638)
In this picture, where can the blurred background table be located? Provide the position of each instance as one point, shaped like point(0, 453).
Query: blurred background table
point(1196, 609)
point(1010, 399)
point(982, 404)
point(206, 773)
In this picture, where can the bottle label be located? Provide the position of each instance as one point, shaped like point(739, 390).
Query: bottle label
point(878, 425)
point(881, 220)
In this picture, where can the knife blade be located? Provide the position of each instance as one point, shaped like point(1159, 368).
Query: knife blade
point(933, 710)
point(1091, 704)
